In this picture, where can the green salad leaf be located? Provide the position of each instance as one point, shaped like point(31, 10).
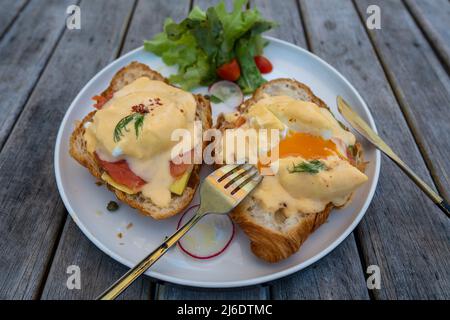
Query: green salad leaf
point(205, 40)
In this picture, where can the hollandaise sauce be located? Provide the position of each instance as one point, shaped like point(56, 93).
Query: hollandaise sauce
point(152, 111)
point(307, 133)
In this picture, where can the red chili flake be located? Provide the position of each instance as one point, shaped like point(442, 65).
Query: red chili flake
point(140, 108)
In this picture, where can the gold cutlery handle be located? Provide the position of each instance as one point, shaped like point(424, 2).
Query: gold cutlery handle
point(437, 199)
point(128, 278)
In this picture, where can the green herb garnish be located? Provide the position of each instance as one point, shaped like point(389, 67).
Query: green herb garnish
point(215, 99)
point(313, 166)
point(122, 125)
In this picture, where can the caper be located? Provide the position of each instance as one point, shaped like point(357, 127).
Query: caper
point(112, 206)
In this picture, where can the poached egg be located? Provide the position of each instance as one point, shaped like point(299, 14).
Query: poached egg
point(308, 134)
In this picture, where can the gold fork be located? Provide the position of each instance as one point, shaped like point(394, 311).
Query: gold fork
point(221, 191)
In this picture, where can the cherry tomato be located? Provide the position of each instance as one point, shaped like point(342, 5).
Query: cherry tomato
point(229, 71)
point(263, 64)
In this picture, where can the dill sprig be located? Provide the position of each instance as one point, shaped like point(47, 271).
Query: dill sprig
point(313, 166)
point(122, 125)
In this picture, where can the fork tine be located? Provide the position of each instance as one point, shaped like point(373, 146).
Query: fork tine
point(250, 184)
point(235, 175)
point(240, 192)
point(242, 180)
point(229, 167)
point(224, 189)
point(224, 171)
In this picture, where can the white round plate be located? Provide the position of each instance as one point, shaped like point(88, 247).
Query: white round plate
point(237, 266)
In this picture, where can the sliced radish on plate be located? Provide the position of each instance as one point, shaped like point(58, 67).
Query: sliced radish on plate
point(209, 237)
point(226, 92)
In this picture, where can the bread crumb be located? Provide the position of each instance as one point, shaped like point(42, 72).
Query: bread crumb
point(129, 226)
point(120, 235)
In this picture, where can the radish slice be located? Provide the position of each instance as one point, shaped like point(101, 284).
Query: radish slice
point(209, 237)
point(227, 93)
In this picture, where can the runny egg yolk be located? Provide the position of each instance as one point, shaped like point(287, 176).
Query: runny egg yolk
point(307, 146)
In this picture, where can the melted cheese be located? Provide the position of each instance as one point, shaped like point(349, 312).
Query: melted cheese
point(312, 134)
point(148, 154)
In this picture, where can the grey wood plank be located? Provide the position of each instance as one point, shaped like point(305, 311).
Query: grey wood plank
point(147, 20)
point(97, 270)
point(337, 276)
point(205, 4)
point(403, 233)
point(434, 19)
point(421, 85)
point(287, 15)
point(173, 292)
point(330, 282)
point(24, 52)
point(31, 212)
point(10, 12)
point(149, 17)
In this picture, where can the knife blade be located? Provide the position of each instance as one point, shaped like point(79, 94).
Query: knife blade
point(366, 131)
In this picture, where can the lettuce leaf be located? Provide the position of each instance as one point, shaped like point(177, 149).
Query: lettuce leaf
point(207, 39)
point(250, 76)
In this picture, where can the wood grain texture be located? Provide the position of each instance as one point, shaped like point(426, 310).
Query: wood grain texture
point(173, 292)
point(31, 212)
point(433, 18)
point(147, 20)
point(97, 270)
point(24, 52)
point(330, 282)
point(10, 11)
point(337, 276)
point(420, 83)
point(402, 232)
point(288, 18)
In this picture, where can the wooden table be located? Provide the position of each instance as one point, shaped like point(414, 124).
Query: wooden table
point(402, 72)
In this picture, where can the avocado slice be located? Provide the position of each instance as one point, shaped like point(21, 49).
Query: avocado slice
point(179, 185)
point(106, 177)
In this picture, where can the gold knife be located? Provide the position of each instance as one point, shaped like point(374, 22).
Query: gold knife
point(363, 128)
